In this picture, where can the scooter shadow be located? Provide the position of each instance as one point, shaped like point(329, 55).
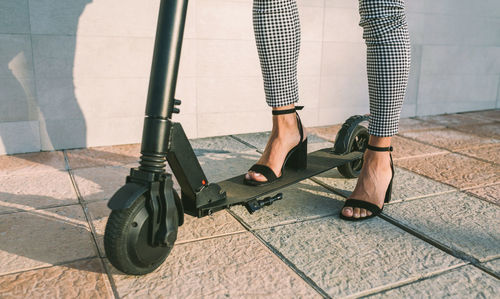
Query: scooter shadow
point(32, 238)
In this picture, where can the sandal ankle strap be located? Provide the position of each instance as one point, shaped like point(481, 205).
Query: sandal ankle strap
point(293, 110)
point(288, 111)
point(379, 149)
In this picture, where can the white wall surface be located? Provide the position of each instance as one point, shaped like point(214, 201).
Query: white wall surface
point(75, 73)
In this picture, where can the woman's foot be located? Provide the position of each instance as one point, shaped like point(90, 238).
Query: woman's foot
point(373, 180)
point(284, 136)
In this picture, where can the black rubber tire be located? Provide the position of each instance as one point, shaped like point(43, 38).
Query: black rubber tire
point(353, 169)
point(117, 241)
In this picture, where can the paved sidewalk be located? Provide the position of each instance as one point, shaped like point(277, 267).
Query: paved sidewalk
point(439, 237)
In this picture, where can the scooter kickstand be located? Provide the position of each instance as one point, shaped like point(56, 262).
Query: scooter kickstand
point(255, 205)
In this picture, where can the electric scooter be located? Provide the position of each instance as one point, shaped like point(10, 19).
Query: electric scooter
point(147, 211)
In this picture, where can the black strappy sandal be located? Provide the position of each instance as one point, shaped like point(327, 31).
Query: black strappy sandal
point(295, 159)
point(356, 203)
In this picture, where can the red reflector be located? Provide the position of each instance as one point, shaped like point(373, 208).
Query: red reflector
point(204, 182)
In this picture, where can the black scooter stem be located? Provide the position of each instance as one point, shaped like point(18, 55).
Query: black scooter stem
point(163, 79)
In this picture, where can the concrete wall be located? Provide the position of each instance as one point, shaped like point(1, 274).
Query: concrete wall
point(75, 73)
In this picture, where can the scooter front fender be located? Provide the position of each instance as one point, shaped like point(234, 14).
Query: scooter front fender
point(125, 197)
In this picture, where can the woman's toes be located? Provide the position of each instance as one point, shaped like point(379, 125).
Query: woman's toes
point(356, 212)
point(363, 213)
point(347, 212)
point(255, 176)
point(368, 213)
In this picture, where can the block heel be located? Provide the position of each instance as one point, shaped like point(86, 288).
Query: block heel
point(298, 158)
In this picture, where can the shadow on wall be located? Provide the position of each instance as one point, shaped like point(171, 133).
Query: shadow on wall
point(40, 106)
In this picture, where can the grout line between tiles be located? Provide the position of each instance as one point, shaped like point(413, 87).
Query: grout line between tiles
point(423, 196)
point(254, 229)
point(286, 261)
point(422, 155)
point(456, 151)
point(465, 190)
point(93, 232)
point(453, 252)
point(209, 237)
point(50, 266)
point(402, 283)
point(291, 222)
point(345, 194)
point(448, 184)
point(479, 186)
point(244, 142)
point(39, 209)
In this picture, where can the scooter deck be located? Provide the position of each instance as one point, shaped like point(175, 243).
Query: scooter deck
point(317, 162)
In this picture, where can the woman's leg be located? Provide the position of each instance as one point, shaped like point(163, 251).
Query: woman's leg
point(388, 65)
point(277, 34)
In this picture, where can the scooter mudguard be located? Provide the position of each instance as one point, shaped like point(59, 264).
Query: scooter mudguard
point(341, 146)
point(126, 196)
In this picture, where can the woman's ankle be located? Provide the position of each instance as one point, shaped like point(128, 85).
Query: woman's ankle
point(379, 141)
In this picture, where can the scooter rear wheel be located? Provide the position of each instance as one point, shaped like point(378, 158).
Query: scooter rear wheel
point(126, 240)
point(357, 142)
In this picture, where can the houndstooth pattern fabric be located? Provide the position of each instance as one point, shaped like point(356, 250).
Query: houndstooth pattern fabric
point(385, 31)
point(277, 34)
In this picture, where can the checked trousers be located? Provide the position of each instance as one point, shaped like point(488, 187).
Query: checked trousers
point(385, 31)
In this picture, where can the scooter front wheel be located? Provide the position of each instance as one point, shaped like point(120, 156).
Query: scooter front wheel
point(126, 240)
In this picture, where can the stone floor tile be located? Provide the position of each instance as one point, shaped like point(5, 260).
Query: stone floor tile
point(405, 148)
point(345, 258)
point(489, 193)
point(452, 120)
point(464, 282)
point(457, 220)
point(413, 124)
point(493, 265)
point(301, 201)
point(256, 140)
point(214, 145)
point(406, 185)
point(326, 132)
point(259, 140)
point(333, 179)
point(29, 191)
point(449, 139)
point(224, 165)
point(493, 115)
point(83, 279)
point(43, 237)
point(233, 266)
point(218, 224)
point(32, 162)
point(454, 169)
point(312, 147)
point(488, 153)
point(103, 156)
point(487, 130)
point(99, 183)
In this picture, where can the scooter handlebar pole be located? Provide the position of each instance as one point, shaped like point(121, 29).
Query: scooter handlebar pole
point(163, 79)
point(165, 66)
